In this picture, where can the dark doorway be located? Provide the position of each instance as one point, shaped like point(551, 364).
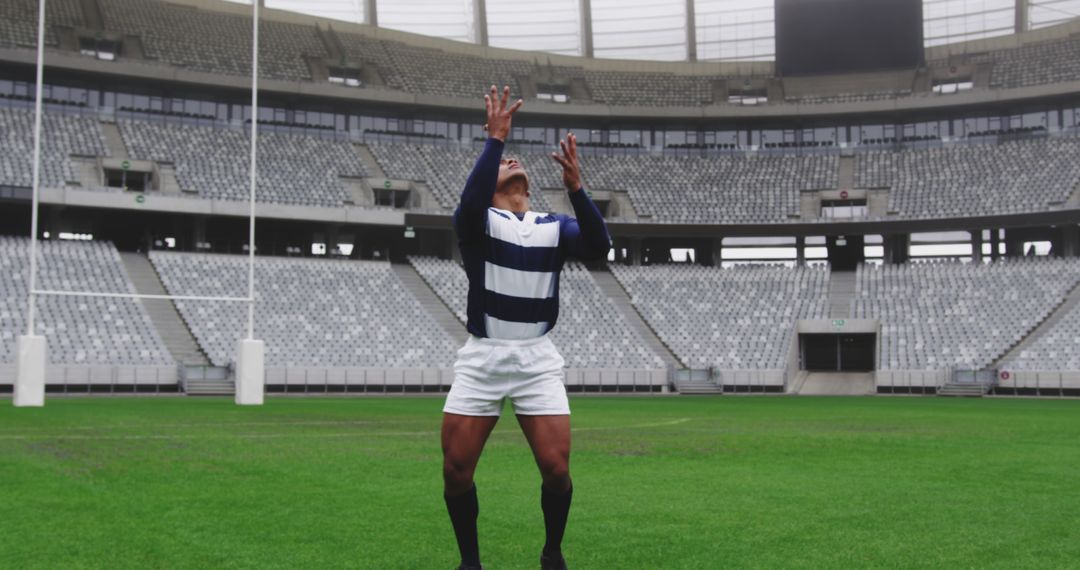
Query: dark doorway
point(819, 352)
point(845, 252)
point(837, 352)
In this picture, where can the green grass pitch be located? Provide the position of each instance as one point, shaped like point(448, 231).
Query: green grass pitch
point(720, 482)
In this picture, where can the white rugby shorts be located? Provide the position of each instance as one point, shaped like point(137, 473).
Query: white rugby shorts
point(529, 372)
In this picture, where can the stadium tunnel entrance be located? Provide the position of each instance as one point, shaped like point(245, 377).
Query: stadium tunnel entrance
point(846, 252)
point(852, 352)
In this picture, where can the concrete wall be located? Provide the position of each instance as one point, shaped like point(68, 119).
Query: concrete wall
point(918, 379)
point(433, 377)
point(238, 208)
point(837, 326)
point(99, 375)
point(750, 378)
point(1040, 380)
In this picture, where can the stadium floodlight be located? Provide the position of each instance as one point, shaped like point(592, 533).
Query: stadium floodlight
point(29, 389)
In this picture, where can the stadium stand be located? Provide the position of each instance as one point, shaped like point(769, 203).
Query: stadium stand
point(1038, 63)
point(590, 332)
point(958, 180)
point(734, 188)
point(218, 42)
point(849, 97)
point(293, 169)
point(709, 190)
point(948, 314)
point(1056, 349)
point(731, 319)
point(446, 168)
point(79, 330)
point(309, 312)
point(648, 89)
point(62, 136)
point(433, 71)
point(1031, 174)
point(18, 24)
point(214, 42)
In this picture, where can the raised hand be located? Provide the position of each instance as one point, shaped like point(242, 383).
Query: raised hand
point(571, 173)
point(498, 115)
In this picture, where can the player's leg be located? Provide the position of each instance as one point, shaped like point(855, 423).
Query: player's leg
point(549, 438)
point(463, 439)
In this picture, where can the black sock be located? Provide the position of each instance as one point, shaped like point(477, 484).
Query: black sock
point(556, 508)
point(464, 510)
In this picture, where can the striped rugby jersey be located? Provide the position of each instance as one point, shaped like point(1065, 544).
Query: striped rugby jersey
point(513, 261)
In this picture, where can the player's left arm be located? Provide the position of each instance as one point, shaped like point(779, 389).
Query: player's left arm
point(585, 236)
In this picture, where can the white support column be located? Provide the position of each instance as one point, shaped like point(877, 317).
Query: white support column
point(30, 372)
point(371, 12)
point(691, 31)
point(1023, 14)
point(250, 372)
point(585, 7)
point(480, 22)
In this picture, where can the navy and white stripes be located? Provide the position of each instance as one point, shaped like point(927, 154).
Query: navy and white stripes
point(513, 261)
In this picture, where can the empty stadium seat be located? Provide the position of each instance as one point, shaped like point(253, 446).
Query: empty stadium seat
point(78, 330)
point(293, 169)
point(309, 312)
point(958, 315)
point(738, 318)
point(590, 332)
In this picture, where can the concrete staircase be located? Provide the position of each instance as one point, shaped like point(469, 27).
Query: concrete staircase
point(431, 302)
point(697, 388)
point(611, 287)
point(841, 293)
point(91, 12)
point(965, 390)
point(370, 163)
point(174, 332)
point(847, 172)
point(837, 384)
point(1059, 312)
point(114, 141)
point(209, 387)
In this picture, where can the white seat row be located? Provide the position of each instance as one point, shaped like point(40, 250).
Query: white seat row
point(965, 316)
point(738, 318)
point(78, 330)
point(590, 331)
point(309, 312)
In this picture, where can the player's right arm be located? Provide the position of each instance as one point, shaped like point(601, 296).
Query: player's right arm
point(480, 187)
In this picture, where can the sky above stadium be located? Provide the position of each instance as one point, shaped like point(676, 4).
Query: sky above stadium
point(656, 29)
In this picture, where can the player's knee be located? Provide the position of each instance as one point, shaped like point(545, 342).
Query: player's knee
point(457, 475)
point(555, 471)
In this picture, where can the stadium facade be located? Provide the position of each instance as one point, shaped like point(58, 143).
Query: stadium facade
point(914, 229)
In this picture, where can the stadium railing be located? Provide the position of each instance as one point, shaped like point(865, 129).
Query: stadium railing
point(1037, 383)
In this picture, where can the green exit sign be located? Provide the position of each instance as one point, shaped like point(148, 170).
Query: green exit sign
point(839, 323)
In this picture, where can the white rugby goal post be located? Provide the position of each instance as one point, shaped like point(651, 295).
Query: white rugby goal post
point(32, 350)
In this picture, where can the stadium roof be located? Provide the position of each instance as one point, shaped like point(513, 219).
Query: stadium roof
point(724, 30)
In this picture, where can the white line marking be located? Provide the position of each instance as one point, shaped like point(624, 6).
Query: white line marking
point(657, 424)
